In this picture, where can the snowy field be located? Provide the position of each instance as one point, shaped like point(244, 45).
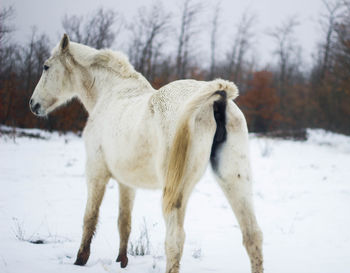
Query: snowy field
point(301, 195)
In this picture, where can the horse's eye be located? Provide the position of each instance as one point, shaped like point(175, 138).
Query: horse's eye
point(46, 67)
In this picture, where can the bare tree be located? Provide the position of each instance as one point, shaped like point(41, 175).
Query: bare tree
point(6, 15)
point(33, 56)
point(190, 11)
point(8, 51)
point(8, 58)
point(29, 60)
point(148, 33)
point(72, 25)
point(41, 54)
point(99, 30)
point(287, 50)
point(328, 23)
point(242, 42)
point(213, 39)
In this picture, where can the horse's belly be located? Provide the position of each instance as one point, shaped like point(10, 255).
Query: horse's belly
point(135, 175)
point(136, 171)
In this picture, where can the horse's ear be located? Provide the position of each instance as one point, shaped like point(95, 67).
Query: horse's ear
point(64, 45)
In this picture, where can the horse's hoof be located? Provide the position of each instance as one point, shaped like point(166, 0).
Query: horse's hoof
point(123, 259)
point(79, 261)
point(82, 258)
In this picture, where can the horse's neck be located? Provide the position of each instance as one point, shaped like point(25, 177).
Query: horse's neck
point(102, 81)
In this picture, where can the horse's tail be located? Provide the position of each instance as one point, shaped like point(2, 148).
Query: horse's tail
point(181, 146)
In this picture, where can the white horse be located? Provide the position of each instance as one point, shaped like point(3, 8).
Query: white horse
point(147, 138)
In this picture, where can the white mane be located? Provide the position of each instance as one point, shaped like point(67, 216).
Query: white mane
point(115, 61)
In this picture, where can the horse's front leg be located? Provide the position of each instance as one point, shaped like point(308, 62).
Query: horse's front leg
point(126, 201)
point(97, 179)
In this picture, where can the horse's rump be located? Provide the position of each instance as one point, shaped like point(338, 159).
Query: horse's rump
point(216, 92)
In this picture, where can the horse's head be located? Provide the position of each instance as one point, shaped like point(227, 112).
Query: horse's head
point(56, 84)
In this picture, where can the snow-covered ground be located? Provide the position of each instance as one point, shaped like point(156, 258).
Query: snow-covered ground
point(301, 195)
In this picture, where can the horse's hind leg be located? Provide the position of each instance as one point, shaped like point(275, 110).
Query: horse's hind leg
point(233, 175)
point(240, 200)
point(174, 217)
point(175, 234)
point(97, 178)
point(126, 201)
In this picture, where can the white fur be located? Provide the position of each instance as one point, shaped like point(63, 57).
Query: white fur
point(129, 134)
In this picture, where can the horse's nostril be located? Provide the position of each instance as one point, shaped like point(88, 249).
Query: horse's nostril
point(30, 102)
point(35, 108)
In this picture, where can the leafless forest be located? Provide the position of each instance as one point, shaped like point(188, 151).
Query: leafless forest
point(281, 98)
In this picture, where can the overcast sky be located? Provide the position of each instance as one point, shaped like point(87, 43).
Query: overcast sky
point(47, 16)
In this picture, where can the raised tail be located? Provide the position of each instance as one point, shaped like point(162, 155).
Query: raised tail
point(216, 91)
